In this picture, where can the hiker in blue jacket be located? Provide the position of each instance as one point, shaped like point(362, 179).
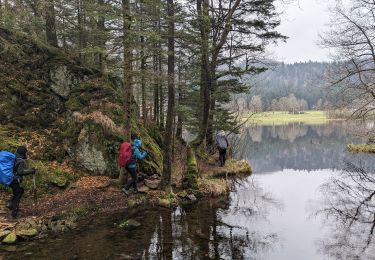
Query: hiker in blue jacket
point(19, 170)
point(137, 154)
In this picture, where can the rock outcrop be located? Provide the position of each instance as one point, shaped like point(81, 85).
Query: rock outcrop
point(78, 110)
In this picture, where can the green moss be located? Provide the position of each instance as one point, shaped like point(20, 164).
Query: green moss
point(129, 224)
point(47, 177)
point(81, 211)
point(361, 148)
point(153, 164)
point(190, 180)
point(213, 187)
point(8, 142)
point(168, 200)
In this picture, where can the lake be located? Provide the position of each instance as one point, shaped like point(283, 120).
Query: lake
point(307, 199)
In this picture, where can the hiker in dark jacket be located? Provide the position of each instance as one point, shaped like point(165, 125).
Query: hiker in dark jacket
point(222, 145)
point(19, 170)
point(137, 154)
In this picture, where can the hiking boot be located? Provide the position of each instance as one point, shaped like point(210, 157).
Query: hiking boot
point(9, 205)
point(14, 213)
point(125, 191)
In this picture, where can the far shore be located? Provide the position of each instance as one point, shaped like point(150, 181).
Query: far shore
point(310, 117)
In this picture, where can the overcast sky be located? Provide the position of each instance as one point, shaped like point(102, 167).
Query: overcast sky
point(302, 23)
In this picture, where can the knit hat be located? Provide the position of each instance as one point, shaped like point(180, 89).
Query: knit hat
point(22, 151)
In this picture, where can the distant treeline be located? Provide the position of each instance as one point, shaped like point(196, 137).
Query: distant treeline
point(297, 86)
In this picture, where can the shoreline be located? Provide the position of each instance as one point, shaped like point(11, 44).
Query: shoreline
point(58, 213)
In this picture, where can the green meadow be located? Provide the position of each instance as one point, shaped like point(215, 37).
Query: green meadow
point(283, 117)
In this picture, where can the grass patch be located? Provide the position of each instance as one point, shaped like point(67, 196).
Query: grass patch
point(213, 187)
point(283, 117)
point(361, 148)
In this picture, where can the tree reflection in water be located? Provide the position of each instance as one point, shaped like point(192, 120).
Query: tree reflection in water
point(221, 229)
point(349, 204)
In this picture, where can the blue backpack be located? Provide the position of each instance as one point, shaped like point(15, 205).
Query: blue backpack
point(7, 161)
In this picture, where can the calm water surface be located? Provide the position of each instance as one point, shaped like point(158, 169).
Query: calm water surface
point(270, 215)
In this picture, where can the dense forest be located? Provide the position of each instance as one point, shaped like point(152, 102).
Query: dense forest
point(137, 68)
point(298, 86)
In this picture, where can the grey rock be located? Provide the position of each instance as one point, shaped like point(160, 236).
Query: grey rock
point(152, 184)
point(88, 156)
point(192, 197)
point(144, 189)
point(62, 81)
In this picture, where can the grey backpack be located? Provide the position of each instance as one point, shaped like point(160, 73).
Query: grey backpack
point(221, 141)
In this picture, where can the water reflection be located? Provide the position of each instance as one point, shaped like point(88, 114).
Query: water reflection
point(217, 230)
point(349, 206)
point(298, 147)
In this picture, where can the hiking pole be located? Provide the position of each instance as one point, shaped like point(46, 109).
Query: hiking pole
point(34, 190)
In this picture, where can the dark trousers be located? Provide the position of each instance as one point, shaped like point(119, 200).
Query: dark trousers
point(17, 195)
point(134, 179)
point(222, 156)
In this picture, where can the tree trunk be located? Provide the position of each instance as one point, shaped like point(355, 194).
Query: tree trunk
point(156, 90)
point(206, 80)
point(143, 80)
point(51, 23)
point(128, 90)
point(168, 136)
point(161, 93)
point(179, 116)
point(100, 56)
point(210, 131)
point(80, 28)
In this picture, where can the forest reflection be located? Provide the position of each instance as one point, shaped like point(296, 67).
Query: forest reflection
point(348, 205)
point(216, 230)
point(298, 146)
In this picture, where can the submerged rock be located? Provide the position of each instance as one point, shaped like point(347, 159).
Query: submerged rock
point(10, 238)
point(10, 248)
point(130, 224)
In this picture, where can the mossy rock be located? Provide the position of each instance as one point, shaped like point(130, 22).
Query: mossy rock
point(361, 148)
point(58, 181)
point(183, 194)
point(27, 233)
point(132, 203)
point(10, 238)
point(130, 224)
point(168, 201)
point(81, 212)
point(4, 233)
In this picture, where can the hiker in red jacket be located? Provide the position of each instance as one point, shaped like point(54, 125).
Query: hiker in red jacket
point(128, 157)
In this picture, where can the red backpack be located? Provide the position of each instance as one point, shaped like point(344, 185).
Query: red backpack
point(125, 155)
